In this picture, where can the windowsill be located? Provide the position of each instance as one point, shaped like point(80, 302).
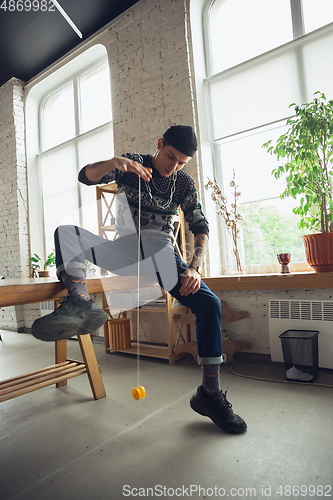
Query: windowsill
point(276, 268)
point(274, 281)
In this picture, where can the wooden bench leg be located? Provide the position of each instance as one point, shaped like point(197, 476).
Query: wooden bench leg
point(60, 357)
point(93, 371)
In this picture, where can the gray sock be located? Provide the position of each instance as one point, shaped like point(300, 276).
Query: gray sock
point(76, 285)
point(211, 379)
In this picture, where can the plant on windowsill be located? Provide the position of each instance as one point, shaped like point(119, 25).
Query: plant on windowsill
point(230, 215)
point(40, 268)
point(307, 148)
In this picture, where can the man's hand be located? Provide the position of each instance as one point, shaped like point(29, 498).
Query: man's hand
point(95, 171)
point(190, 282)
point(127, 165)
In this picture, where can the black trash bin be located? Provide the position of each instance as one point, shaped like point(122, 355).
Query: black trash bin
point(300, 352)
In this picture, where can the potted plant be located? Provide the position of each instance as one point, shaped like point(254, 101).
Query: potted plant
point(307, 149)
point(39, 268)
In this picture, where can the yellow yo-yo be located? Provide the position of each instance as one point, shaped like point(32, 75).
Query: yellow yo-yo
point(138, 392)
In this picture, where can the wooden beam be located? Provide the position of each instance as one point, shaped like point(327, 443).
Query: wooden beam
point(31, 290)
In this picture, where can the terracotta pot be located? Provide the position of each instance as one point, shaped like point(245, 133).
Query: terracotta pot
point(43, 274)
point(319, 251)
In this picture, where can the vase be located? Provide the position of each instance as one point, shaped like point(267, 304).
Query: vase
point(319, 251)
point(43, 274)
point(284, 260)
point(235, 255)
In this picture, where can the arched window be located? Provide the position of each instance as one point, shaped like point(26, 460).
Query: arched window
point(74, 129)
point(261, 56)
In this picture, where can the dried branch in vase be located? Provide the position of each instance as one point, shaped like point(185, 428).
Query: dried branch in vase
point(230, 215)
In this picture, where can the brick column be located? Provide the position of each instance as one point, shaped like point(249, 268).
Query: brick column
point(14, 243)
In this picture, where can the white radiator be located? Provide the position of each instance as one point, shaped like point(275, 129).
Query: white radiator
point(302, 315)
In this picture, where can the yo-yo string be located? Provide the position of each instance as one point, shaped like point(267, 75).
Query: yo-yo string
point(138, 289)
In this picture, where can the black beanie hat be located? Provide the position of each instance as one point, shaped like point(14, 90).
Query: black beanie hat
point(182, 138)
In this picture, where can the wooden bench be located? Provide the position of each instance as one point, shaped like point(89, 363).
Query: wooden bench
point(15, 292)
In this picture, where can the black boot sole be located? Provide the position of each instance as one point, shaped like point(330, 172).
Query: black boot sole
point(60, 330)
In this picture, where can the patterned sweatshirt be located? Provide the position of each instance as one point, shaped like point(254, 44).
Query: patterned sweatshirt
point(153, 216)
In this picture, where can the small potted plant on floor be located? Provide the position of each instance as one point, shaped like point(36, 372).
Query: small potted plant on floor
point(40, 268)
point(307, 152)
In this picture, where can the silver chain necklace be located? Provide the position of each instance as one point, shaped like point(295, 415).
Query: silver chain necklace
point(173, 188)
point(168, 202)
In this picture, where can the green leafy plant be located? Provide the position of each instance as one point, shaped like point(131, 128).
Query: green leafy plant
point(37, 261)
point(307, 148)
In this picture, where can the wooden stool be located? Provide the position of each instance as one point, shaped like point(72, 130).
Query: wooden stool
point(229, 346)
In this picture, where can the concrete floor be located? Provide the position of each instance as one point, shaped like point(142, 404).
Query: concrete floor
point(60, 444)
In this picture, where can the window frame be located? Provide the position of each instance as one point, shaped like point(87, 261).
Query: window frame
point(77, 111)
point(86, 58)
point(78, 137)
point(297, 20)
point(298, 30)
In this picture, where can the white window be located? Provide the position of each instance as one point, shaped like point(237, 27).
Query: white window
point(316, 14)
point(75, 129)
point(242, 29)
point(262, 56)
point(58, 117)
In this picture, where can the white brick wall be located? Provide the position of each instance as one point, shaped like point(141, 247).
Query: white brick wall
point(151, 88)
point(14, 246)
point(13, 186)
point(151, 82)
point(150, 77)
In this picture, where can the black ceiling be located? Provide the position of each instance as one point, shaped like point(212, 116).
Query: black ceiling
point(30, 41)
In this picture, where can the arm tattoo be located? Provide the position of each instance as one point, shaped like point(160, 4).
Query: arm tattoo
point(199, 250)
point(94, 165)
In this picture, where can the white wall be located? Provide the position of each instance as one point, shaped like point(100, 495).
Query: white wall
point(13, 182)
point(254, 329)
point(14, 245)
